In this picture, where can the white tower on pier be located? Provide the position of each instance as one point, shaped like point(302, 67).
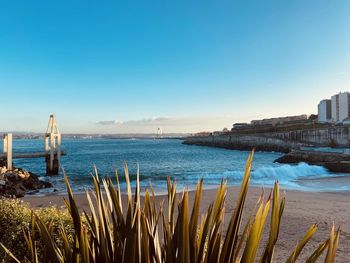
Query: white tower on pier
point(159, 133)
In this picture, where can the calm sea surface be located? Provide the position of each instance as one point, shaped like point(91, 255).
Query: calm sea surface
point(158, 159)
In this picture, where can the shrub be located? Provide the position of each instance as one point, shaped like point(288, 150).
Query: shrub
point(16, 216)
point(145, 233)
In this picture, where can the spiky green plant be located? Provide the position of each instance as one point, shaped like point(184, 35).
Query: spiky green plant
point(142, 231)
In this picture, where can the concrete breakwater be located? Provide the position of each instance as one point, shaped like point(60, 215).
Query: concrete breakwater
point(245, 142)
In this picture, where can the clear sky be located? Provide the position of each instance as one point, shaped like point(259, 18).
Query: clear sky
point(185, 66)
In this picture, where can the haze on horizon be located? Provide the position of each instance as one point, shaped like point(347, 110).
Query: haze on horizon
point(184, 66)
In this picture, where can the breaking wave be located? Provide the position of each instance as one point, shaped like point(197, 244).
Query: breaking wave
point(286, 174)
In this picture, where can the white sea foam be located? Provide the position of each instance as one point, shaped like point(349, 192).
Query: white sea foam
point(286, 174)
point(290, 172)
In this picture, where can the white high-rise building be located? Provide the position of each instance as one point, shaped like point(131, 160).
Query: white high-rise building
point(344, 109)
point(335, 107)
point(340, 107)
point(324, 111)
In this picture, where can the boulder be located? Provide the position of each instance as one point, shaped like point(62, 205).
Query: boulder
point(338, 167)
point(17, 182)
point(334, 162)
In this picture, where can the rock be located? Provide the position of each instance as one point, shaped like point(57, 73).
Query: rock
point(313, 157)
point(338, 167)
point(18, 182)
point(24, 175)
point(334, 162)
point(3, 162)
point(3, 170)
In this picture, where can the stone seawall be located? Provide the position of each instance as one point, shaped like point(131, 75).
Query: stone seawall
point(245, 142)
point(325, 136)
point(277, 141)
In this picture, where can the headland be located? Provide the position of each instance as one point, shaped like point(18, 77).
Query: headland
point(287, 135)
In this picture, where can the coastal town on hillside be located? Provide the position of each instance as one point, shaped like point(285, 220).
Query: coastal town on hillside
point(322, 139)
point(330, 112)
point(333, 111)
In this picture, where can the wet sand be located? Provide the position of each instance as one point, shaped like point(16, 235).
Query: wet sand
point(302, 210)
point(340, 183)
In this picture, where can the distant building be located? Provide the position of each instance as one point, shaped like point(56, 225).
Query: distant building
point(279, 120)
point(335, 107)
point(239, 125)
point(340, 106)
point(344, 109)
point(325, 111)
point(313, 117)
point(202, 134)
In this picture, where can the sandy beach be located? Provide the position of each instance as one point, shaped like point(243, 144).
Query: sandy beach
point(302, 210)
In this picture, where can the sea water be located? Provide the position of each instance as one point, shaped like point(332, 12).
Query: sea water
point(158, 159)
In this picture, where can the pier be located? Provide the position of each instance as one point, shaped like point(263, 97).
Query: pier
point(52, 149)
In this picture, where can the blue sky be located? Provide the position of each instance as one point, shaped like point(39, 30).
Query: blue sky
point(185, 66)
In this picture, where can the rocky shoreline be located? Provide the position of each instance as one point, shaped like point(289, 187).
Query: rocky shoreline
point(17, 182)
point(242, 147)
point(245, 142)
point(334, 162)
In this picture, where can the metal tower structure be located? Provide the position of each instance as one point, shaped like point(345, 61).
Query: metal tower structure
point(52, 146)
point(52, 153)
